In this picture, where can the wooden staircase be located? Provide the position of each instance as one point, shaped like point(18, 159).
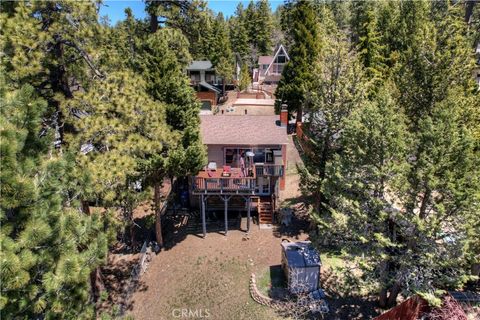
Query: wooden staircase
point(265, 210)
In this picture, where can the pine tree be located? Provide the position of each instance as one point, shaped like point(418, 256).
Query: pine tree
point(401, 184)
point(368, 40)
point(264, 28)
point(238, 32)
point(338, 91)
point(53, 51)
point(222, 55)
point(364, 179)
point(49, 246)
point(251, 18)
point(165, 55)
point(298, 75)
point(192, 18)
point(341, 12)
point(245, 78)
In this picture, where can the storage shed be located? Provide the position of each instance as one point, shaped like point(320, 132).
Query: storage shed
point(301, 264)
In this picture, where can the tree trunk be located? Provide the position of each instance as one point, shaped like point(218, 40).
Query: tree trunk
point(128, 216)
point(153, 23)
point(158, 217)
point(85, 207)
point(96, 278)
point(394, 291)
point(469, 4)
point(96, 281)
point(425, 200)
point(382, 298)
point(299, 114)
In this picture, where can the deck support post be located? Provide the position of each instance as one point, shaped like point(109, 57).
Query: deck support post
point(204, 223)
point(226, 214)
point(225, 203)
point(249, 205)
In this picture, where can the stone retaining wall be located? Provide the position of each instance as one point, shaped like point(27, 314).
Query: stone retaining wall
point(262, 299)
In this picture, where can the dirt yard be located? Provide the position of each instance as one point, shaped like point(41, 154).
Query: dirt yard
point(208, 274)
point(208, 278)
point(213, 273)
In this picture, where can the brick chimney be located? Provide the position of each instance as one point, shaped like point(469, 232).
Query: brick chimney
point(284, 116)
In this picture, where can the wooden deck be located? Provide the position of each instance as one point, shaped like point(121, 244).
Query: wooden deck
point(217, 182)
point(209, 181)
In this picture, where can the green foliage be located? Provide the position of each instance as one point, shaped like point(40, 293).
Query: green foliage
point(263, 27)
point(338, 91)
point(192, 18)
point(222, 55)
point(48, 249)
point(298, 75)
point(164, 56)
point(238, 32)
point(396, 175)
point(368, 40)
point(121, 112)
point(245, 78)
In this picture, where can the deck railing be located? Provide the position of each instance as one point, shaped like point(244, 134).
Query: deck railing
point(272, 170)
point(224, 184)
point(235, 184)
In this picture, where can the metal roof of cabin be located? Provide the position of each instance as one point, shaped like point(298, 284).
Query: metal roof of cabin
point(301, 254)
point(200, 65)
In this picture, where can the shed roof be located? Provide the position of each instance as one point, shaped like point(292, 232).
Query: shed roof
point(301, 254)
point(200, 65)
point(242, 130)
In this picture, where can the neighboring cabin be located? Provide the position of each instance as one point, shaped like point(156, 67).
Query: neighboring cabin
point(246, 166)
point(270, 67)
point(207, 84)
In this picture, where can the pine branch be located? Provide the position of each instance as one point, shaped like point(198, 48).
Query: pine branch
point(85, 57)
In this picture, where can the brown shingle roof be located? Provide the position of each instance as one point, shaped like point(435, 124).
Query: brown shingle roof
point(242, 130)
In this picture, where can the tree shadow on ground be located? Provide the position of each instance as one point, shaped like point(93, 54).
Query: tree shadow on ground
point(343, 302)
point(119, 284)
point(300, 223)
point(177, 227)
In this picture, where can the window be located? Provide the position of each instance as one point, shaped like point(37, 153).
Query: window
point(268, 155)
point(230, 156)
point(259, 156)
point(281, 59)
point(265, 66)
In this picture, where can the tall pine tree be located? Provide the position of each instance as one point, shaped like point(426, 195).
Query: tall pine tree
point(49, 246)
point(298, 75)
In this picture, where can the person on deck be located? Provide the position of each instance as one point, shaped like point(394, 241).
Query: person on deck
point(242, 164)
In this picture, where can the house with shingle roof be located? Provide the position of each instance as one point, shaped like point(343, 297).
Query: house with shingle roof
point(207, 84)
point(245, 170)
point(270, 68)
